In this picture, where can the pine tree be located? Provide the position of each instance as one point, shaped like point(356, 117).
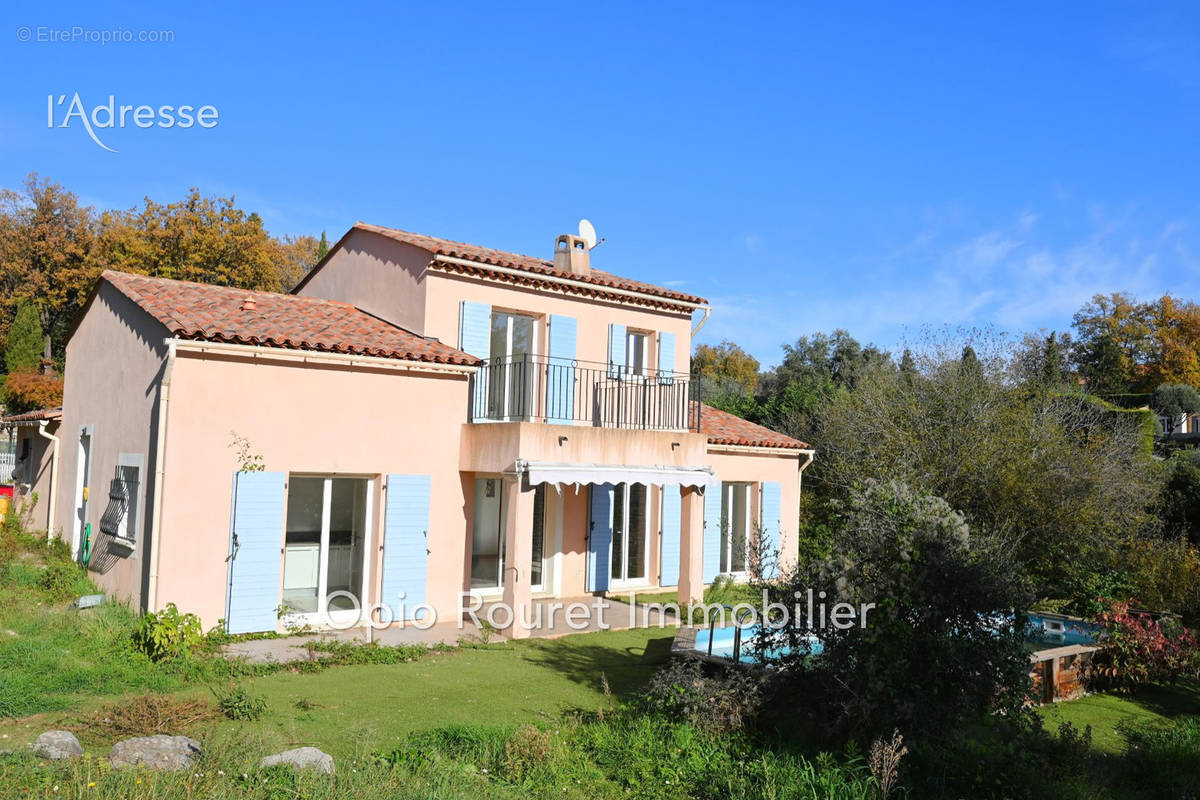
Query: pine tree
point(24, 350)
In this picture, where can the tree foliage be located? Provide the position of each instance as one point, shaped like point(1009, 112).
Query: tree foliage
point(1059, 474)
point(937, 590)
point(28, 390)
point(52, 249)
point(1127, 345)
point(24, 348)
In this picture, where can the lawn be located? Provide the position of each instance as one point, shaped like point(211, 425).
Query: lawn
point(1105, 712)
point(345, 709)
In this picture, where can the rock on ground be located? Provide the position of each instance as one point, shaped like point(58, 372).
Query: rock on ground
point(301, 758)
point(56, 745)
point(156, 752)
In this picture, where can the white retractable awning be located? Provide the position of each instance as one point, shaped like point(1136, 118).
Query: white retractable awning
point(659, 475)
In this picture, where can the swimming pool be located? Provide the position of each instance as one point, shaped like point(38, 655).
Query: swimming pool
point(1043, 631)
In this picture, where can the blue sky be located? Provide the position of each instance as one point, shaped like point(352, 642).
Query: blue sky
point(803, 166)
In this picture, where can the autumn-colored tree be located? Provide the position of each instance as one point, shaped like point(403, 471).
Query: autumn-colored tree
point(298, 254)
point(726, 362)
point(28, 390)
point(203, 239)
point(45, 240)
point(1175, 355)
point(1124, 345)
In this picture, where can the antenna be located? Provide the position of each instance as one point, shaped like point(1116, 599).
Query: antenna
point(587, 232)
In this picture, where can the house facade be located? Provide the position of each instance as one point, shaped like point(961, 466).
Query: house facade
point(418, 425)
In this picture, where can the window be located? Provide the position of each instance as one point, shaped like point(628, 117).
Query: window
point(636, 352)
point(121, 515)
point(629, 533)
point(735, 527)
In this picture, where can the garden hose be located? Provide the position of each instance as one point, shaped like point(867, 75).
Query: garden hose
point(85, 554)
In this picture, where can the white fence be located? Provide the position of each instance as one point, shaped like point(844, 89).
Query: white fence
point(8, 462)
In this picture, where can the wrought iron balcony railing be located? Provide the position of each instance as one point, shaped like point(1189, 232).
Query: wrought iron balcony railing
point(568, 392)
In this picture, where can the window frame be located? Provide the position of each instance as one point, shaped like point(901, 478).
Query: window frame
point(125, 536)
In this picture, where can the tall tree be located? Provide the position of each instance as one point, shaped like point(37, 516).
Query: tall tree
point(322, 247)
point(45, 240)
point(24, 350)
point(726, 362)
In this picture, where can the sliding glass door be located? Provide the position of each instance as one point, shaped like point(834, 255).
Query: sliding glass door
point(629, 534)
point(325, 561)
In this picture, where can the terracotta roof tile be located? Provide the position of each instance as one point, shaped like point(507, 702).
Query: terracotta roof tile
point(533, 266)
point(216, 314)
point(722, 427)
point(41, 415)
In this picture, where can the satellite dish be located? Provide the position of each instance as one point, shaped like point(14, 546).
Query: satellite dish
point(587, 232)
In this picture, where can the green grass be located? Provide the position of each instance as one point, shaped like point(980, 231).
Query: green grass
point(721, 592)
point(1105, 712)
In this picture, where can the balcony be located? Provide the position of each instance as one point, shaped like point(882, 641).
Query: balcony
point(566, 392)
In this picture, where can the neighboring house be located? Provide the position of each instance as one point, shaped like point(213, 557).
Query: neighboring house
point(1185, 424)
point(433, 418)
point(33, 472)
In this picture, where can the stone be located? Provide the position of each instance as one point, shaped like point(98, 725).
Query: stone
point(156, 752)
point(301, 758)
point(56, 745)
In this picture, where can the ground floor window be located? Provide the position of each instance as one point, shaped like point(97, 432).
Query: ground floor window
point(487, 534)
point(629, 532)
point(735, 527)
point(325, 547)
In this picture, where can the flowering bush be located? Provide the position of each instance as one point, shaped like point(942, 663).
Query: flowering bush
point(1140, 649)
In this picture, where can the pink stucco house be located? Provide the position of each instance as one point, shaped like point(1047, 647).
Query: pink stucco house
point(431, 418)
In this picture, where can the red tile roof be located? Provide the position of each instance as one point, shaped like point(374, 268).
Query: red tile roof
point(216, 314)
point(533, 266)
point(41, 415)
point(722, 427)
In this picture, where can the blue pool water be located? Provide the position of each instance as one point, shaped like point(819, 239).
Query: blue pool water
point(1044, 631)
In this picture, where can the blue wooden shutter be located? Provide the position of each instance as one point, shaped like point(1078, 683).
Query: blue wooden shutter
point(772, 524)
point(599, 569)
point(405, 542)
point(255, 545)
point(671, 519)
point(666, 357)
point(712, 533)
point(475, 338)
point(560, 370)
point(616, 350)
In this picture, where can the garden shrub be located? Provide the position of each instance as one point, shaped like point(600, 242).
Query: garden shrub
point(64, 581)
point(940, 646)
point(167, 633)
point(723, 701)
point(239, 704)
point(1140, 649)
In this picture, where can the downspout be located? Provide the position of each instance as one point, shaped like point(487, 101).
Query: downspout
point(704, 319)
point(53, 477)
point(159, 475)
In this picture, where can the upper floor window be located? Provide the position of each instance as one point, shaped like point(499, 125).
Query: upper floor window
point(637, 354)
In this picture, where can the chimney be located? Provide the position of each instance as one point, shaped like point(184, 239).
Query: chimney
point(249, 304)
point(571, 255)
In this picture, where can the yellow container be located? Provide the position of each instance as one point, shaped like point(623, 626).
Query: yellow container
point(5, 504)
